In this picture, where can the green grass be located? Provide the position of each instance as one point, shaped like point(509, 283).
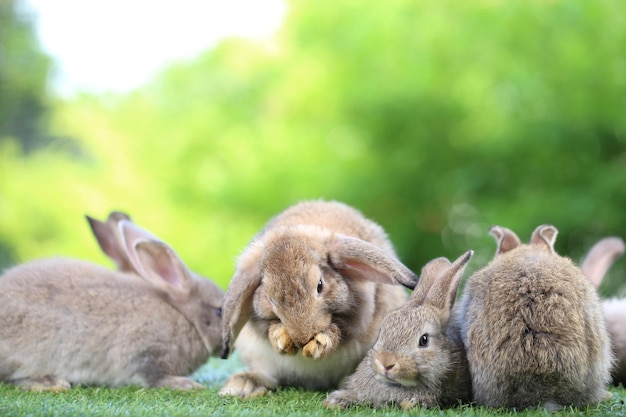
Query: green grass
point(134, 401)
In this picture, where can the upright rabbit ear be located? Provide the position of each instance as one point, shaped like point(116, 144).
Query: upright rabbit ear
point(109, 239)
point(430, 273)
point(356, 259)
point(156, 262)
point(600, 258)
point(506, 239)
point(237, 304)
point(442, 293)
point(545, 235)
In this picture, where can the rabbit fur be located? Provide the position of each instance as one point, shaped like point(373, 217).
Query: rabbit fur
point(66, 321)
point(307, 298)
point(533, 329)
point(418, 358)
point(595, 265)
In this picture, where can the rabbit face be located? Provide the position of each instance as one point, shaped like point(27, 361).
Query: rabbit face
point(209, 313)
point(413, 353)
point(300, 289)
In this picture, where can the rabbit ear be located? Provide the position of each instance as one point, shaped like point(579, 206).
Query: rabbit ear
point(357, 259)
point(600, 258)
point(156, 262)
point(108, 241)
point(506, 239)
point(430, 273)
point(442, 293)
point(237, 304)
point(545, 235)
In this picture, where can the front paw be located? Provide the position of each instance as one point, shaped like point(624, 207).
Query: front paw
point(243, 385)
point(323, 344)
point(280, 340)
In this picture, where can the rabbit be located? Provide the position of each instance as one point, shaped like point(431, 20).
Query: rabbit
point(66, 321)
point(533, 329)
point(308, 295)
point(418, 358)
point(595, 265)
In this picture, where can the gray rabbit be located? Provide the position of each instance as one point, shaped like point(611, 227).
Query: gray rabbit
point(533, 329)
point(66, 321)
point(418, 358)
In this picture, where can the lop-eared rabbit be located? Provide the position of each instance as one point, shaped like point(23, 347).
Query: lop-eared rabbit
point(595, 265)
point(65, 321)
point(533, 329)
point(418, 358)
point(307, 298)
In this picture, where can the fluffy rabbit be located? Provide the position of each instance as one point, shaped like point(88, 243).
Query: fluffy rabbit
point(597, 262)
point(65, 321)
point(418, 358)
point(308, 295)
point(533, 329)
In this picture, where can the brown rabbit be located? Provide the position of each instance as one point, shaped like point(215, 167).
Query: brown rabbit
point(309, 292)
point(65, 321)
point(533, 329)
point(418, 358)
point(597, 262)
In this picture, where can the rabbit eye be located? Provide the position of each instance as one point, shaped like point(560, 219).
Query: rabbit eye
point(424, 340)
point(218, 312)
point(320, 286)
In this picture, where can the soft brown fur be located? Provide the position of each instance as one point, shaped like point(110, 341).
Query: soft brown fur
point(65, 321)
point(595, 265)
point(291, 334)
point(533, 329)
point(398, 370)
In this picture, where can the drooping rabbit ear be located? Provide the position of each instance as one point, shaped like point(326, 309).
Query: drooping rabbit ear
point(506, 239)
point(156, 262)
point(545, 235)
point(237, 305)
point(357, 259)
point(600, 258)
point(442, 293)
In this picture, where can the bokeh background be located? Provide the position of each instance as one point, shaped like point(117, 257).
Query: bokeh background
point(437, 119)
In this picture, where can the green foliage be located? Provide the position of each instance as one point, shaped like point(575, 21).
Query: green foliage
point(436, 119)
point(24, 72)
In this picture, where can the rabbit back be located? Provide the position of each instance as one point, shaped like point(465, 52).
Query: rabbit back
point(534, 332)
point(90, 325)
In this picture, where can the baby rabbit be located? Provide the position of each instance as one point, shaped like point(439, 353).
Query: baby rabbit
point(65, 321)
point(418, 358)
point(533, 329)
point(308, 295)
point(597, 262)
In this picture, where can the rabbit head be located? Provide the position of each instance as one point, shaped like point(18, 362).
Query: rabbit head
point(196, 298)
point(413, 347)
point(305, 277)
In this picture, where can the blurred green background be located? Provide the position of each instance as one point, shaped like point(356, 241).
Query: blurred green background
point(437, 119)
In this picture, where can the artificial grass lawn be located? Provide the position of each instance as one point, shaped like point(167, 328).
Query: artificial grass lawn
point(134, 401)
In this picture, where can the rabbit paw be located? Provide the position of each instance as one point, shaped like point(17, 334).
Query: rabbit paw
point(179, 383)
point(44, 383)
point(280, 340)
point(323, 344)
point(338, 399)
point(243, 385)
